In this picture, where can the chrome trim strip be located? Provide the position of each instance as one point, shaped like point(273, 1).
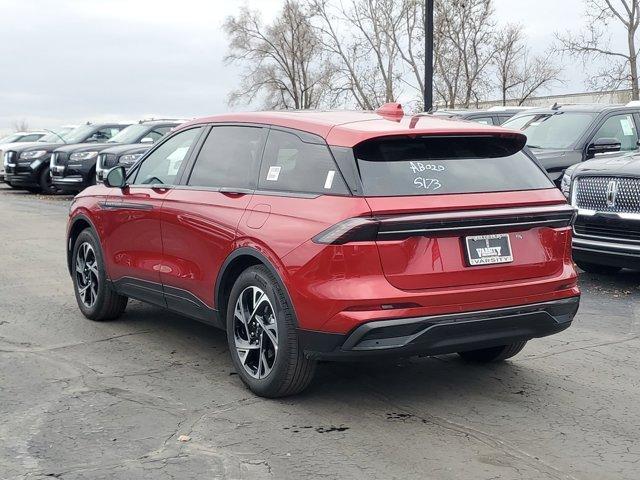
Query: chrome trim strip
point(580, 241)
point(621, 215)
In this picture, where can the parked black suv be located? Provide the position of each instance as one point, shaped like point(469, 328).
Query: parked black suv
point(27, 166)
point(606, 192)
point(491, 116)
point(561, 136)
point(119, 156)
point(73, 167)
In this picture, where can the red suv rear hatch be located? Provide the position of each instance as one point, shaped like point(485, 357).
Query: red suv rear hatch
point(459, 211)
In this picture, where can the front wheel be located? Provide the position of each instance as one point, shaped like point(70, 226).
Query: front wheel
point(493, 354)
point(96, 299)
point(46, 183)
point(595, 268)
point(262, 337)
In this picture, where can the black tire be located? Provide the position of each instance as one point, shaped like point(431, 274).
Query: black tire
point(493, 354)
point(108, 305)
point(291, 370)
point(46, 184)
point(601, 269)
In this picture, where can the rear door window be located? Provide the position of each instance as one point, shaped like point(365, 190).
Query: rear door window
point(441, 165)
point(291, 165)
point(229, 158)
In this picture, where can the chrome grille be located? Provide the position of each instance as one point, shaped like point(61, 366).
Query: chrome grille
point(9, 157)
point(592, 194)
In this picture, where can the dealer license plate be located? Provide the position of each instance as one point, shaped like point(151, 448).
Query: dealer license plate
point(488, 249)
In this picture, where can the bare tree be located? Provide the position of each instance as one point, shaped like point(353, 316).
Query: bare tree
point(283, 62)
point(20, 125)
point(518, 76)
point(593, 42)
point(361, 39)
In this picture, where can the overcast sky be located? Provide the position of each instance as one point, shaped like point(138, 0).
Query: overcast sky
point(69, 61)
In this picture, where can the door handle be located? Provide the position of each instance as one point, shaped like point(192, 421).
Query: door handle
point(235, 191)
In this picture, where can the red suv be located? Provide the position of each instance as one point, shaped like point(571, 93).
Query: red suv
point(332, 235)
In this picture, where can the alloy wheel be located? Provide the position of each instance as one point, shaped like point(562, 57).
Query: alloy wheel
point(255, 332)
point(87, 279)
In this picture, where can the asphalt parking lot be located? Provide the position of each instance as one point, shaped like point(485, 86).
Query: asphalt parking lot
point(83, 400)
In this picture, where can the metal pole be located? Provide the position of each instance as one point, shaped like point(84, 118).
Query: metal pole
point(428, 55)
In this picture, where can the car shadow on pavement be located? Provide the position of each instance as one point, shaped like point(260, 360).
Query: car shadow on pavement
point(440, 379)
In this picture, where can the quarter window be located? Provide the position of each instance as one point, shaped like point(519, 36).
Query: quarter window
point(157, 133)
point(291, 165)
point(229, 158)
point(483, 120)
point(162, 165)
point(622, 128)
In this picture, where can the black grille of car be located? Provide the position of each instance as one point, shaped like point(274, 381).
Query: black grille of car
point(608, 229)
point(594, 193)
point(9, 157)
point(62, 158)
point(110, 160)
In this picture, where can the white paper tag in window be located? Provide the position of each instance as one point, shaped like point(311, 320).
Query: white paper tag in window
point(273, 174)
point(627, 127)
point(329, 181)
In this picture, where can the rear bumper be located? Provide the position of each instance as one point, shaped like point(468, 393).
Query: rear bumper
point(442, 334)
point(606, 252)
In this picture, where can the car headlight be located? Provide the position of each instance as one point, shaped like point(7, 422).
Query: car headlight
point(129, 159)
point(83, 156)
point(33, 154)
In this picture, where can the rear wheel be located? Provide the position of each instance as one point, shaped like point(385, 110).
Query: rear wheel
point(262, 337)
point(96, 299)
point(493, 354)
point(46, 184)
point(595, 268)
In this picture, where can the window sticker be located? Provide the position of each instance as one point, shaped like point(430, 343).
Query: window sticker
point(274, 173)
point(329, 181)
point(627, 126)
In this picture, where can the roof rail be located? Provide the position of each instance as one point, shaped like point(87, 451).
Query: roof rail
point(162, 120)
point(502, 108)
point(391, 110)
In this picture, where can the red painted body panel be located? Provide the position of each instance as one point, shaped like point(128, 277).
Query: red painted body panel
point(187, 234)
point(198, 233)
point(132, 238)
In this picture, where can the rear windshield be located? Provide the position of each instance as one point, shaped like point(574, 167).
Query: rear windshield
point(440, 165)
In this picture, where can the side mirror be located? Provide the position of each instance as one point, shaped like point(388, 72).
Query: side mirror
point(116, 178)
point(146, 140)
point(604, 145)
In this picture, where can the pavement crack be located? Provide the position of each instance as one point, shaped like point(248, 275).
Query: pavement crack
point(480, 436)
point(585, 347)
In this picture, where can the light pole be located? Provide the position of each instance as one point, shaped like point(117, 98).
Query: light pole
point(428, 55)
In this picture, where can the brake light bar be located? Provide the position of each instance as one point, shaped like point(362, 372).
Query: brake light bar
point(447, 224)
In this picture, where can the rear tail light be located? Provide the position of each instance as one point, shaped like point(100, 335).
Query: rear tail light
point(359, 229)
point(446, 224)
